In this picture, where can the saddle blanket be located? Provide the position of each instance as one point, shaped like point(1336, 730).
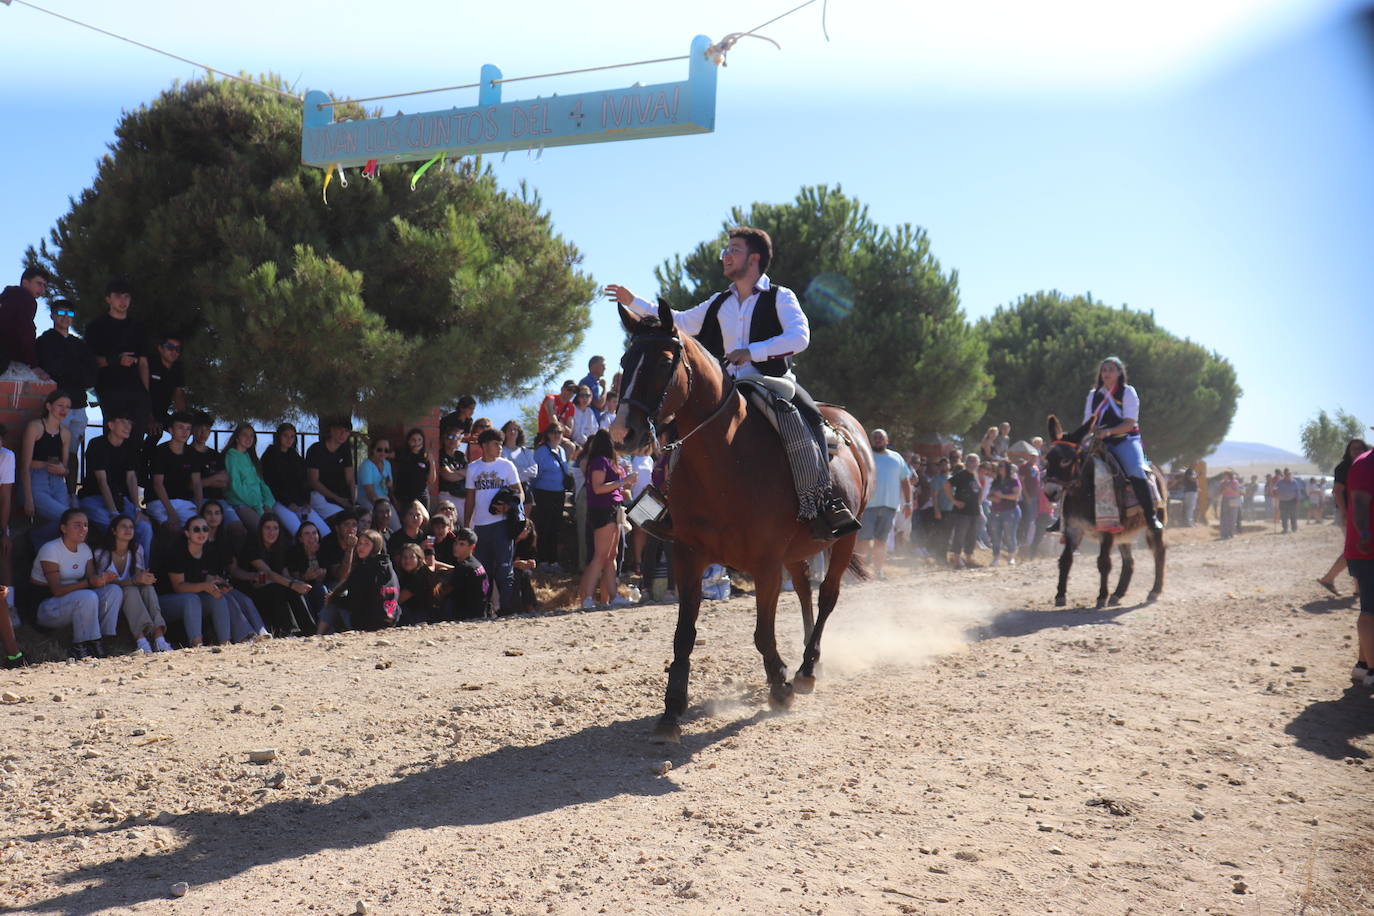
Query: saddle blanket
point(810, 466)
point(1104, 498)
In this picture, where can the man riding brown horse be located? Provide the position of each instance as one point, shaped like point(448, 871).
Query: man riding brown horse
point(755, 327)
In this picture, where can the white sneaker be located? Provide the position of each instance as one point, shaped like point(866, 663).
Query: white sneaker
point(1369, 679)
point(162, 645)
point(588, 604)
point(621, 601)
point(142, 643)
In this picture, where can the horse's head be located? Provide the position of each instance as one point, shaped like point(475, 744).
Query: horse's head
point(1063, 459)
point(650, 371)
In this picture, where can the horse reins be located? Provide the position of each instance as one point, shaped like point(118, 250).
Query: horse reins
point(652, 417)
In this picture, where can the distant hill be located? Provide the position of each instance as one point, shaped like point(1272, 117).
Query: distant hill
point(1244, 454)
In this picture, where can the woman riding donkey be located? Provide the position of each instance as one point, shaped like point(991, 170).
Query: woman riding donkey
point(755, 327)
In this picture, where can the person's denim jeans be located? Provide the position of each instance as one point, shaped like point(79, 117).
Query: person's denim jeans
point(1002, 527)
point(90, 612)
point(98, 514)
point(50, 500)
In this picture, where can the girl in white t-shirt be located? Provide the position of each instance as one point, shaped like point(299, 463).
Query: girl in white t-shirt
point(78, 596)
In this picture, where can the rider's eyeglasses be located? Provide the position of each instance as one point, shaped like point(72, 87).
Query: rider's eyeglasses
point(735, 250)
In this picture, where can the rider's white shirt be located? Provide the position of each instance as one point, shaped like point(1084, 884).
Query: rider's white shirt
point(735, 318)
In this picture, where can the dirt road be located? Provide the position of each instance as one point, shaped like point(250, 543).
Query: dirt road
point(969, 749)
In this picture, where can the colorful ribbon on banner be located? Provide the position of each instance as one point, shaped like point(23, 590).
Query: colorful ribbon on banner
point(370, 170)
point(324, 192)
point(419, 173)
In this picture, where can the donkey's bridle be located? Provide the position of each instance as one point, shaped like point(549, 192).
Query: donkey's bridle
point(1075, 469)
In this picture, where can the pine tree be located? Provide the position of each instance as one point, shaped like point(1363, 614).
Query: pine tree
point(383, 303)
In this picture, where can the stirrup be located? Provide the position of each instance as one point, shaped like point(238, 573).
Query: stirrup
point(659, 528)
point(834, 520)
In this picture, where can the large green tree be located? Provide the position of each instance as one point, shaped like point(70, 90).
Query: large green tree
point(1324, 437)
point(888, 338)
point(384, 302)
point(1044, 352)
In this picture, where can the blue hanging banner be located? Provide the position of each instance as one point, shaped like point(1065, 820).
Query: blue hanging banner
point(490, 126)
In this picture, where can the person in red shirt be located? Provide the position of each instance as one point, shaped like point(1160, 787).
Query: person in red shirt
point(558, 408)
point(1359, 557)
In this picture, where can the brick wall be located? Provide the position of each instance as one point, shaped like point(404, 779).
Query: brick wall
point(20, 402)
point(428, 423)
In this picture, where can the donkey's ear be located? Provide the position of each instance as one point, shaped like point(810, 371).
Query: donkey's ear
point(1056, 430)
point(630, 321)
point(665, 315)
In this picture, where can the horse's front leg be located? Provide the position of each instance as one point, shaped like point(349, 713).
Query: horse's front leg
point(840, 554)
point(1065, 564)
point(1104, 568)
point(800, 572)
point(1123, 581)
point(767, 587)
point(687, 568)
point(1156, 541)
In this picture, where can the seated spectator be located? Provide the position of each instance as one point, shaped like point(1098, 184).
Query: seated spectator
point(247, 492)
point(418, 585)
point(585, 421)
point(366, 598)
point(72, 593)
point(43, 467)
point(413, 530)
point(71, 364)
point(526, 553)
point(606, 416)
point(453, 466)
point(283, 471)
point(334, 548)
point(552, 481)
point(261, 571)
point(214, 477)
point(329, 469)
point(468, 590)
point(224, 547)
point(127, 562)
point(558, 408)
point(381, 518)
point(303, 562)
point(414, 472)
point(13, 656)
point(486, 476)
point(194, 584)
point(111, 480)
point(375, 480)
point(8, 463)
point(176, 490)
point(441, 534)
point(18, 333)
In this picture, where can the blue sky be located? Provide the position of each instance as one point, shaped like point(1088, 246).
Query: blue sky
point(1210, 164)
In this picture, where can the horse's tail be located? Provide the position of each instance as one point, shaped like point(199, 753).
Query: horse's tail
point(859, 568)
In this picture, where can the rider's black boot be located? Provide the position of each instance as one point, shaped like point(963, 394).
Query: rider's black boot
point(1147, 502)
point(833, 520)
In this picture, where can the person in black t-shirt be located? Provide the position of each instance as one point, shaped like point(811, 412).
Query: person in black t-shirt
point(417, 583)
point(468, 590)
point(176, 491)
point(413, 470)
point(213, 476)
point(965, 492)
point(283, 470)
point(110, 481)
point(261, 571)
point(119, 344)
point(329, 469)
point(71, 364)
point(162, 374)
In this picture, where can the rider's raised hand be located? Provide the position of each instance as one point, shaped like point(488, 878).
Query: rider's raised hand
point(620, 294)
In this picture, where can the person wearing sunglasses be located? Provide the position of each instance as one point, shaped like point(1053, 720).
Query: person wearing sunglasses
point(18, 333)
point(71, 364)
point(162, 374)
point(376, 479)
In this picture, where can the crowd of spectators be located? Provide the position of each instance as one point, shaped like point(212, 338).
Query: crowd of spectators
point(188, 543)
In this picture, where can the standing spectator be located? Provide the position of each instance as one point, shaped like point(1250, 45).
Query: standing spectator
point(1359, 556)
point(642, 464)
point(1003, 443)
point(247, 492)
point(8, 462)
point(453, 467)
point(73, 593)
point(891, 494)
point(1004, 517)
point(165, 379)
point(127, 562)
point(283, 471)
point(1339, 496)
point(414, 472)
point(329, 469)
point(71, 364)
point(43, 467)
point(479, 426)
point(1314, 501)
point(558, 408)
point(486, 476)
point(934, 519)
point(1229, 491)
point(1248, 493)
point(1190, 489)
point(987, 448)
point(551, 484)
point(595, 382)
point(605, 492)
point(965, 495)
point(1271, 500)
point(1287, 491)
point(119, 343)
point(461, 417)
point(111, 482)
point(18, 333)
point(176, 490)
point(1028, 471)
point(513, 450)
point(584, 419)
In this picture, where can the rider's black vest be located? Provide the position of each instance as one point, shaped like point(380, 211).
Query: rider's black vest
point(1111, 417)
point(764, 325)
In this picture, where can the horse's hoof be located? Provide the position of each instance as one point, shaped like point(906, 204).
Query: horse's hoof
point(780, 697)
point(1060, 601)
point(1113, 601)
point(667, 731)
point(804, 683)
point(1101, 603)
point(1152, 597)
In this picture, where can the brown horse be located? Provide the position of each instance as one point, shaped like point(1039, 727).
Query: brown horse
point(1068, 471)
point(731, 498)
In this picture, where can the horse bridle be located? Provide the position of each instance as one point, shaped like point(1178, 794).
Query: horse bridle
point(651, 416)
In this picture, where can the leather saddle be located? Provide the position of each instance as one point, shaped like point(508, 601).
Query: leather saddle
point(770, 394)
